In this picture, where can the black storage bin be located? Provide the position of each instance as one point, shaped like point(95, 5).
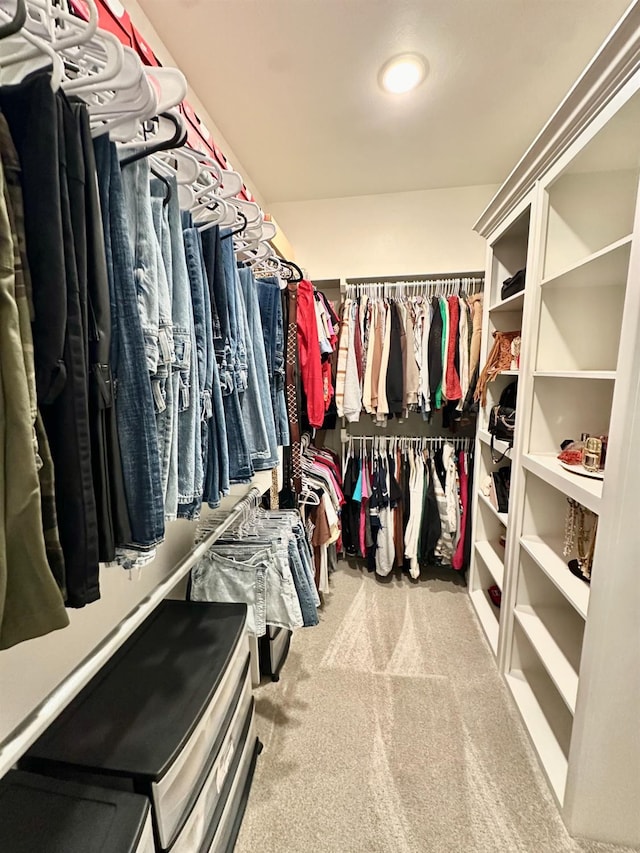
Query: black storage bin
point(43, 815)
point(273, 649)
point(156, 720)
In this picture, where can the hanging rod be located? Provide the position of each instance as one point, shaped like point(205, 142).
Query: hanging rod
point(397, 279)
point(424, 287)
point(462, 442)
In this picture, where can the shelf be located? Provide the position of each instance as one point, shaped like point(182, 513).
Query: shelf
point(488, 615)
point(548, 556)
point(585, 490)
point(554, 761)
point(511, 303)
point(492, 561)
point(576, 374)
point(502, 517)
point(499, 446)
point(509, 373)
point(548, 650)
point(609, 266)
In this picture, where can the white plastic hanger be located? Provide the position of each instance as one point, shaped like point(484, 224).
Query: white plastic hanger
point(13, 70)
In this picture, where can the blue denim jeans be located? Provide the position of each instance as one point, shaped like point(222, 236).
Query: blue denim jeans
point(273, 333)
point(190, 470)
point(129, 362)
point(282, 607)
point(258, 395)
point(218, 578)
point(301, 579)
point(162, 384)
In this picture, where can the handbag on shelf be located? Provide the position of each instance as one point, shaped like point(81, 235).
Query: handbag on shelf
point(502, 484)
point(501, 357)
point(502, 420)
point(513, 285)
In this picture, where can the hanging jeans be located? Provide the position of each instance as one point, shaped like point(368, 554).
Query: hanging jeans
point(190, 471)
point(273, 333)
point(133, 398)
point(258, 397)
point(217, 578)
point(165, 381)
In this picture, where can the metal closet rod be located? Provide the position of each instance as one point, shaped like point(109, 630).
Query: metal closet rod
point(428, 277)
point(27, 732)
point(457, 441)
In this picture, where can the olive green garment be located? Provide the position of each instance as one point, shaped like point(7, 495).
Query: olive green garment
point(30, 602)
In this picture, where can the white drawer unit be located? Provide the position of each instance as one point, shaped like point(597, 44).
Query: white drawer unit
point(157, 719)
point(206, 813)
point(175, 793)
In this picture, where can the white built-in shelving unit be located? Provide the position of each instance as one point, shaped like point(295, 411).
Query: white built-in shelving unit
point(570, 652)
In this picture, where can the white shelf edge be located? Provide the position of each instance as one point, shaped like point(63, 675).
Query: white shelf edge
point(509, 373)
point(560, 670)
point(612, 247)
point(499, 446)
point(549, 561)
point(488, 616)
point(575, 374)
point(585, 490)
point(491, 560)
point(510, 303)
point(552, 758)
point(502, 517)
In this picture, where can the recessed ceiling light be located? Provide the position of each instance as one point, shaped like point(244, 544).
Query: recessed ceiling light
point(403, 73)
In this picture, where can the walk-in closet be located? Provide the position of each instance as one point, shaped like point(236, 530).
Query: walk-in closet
point(319, 408)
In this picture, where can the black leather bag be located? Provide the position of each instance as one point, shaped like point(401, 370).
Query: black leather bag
point(502, 486)
point(513, 285)
point(502, 419)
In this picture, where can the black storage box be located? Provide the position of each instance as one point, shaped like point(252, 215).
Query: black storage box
point(154, 720)
point(43, 815)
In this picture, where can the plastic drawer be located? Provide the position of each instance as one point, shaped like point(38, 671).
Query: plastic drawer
point(211, 799)
point(179, 787)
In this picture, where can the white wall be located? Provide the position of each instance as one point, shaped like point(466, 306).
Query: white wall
point(387, 235)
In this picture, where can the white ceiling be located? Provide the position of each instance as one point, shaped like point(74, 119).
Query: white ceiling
point(292, 84)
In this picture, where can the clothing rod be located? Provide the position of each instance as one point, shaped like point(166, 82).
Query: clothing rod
point(410, 439)
point(428, 277)
point(27, 732)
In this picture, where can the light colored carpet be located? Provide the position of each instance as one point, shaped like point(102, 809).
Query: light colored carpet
point(391, 731)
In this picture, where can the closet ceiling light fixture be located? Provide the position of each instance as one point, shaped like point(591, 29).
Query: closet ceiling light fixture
point(403, 73)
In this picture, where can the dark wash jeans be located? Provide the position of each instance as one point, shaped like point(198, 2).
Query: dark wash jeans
point(133, 400)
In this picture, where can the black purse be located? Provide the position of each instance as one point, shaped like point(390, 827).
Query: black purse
point(513, 285)
point(502, 419)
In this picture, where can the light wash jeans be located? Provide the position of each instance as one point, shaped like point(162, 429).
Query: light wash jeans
point(217, 578)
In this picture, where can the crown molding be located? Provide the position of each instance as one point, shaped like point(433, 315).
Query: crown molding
point(611, 68)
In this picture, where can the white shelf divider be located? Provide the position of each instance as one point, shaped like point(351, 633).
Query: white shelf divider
point(585, 490)
point(488, 616)
point(549, 651)
point(548, 556)
point(511, 303)
point(492, 561)
point(607, 267)
point(552, 759)
point(502, 517)
point(576, 374)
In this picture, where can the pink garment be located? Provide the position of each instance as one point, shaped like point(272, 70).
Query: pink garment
point(364, 509)
point(457, 561)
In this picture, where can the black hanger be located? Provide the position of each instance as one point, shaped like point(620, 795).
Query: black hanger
point(161, 177)
point(17, 22)
point(237, 230)
point(294, 268)
point(177, 141)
